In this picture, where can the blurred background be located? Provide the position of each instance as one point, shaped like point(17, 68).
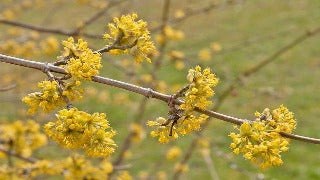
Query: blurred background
point(229, 36)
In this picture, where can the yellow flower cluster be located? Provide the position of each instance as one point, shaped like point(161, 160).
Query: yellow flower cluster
point(83, 62)
point(49, 97)
point(22, 137)
point(200, 89)
point(170, 34)
point(185, 125)
point(72, 167)
point(178, 167)
point(50, 45)
point(23, 49)
point(162, 131)
point(40, 167)
point(131, 32)
point(124, 176)
point(204, 54)
point(76, 129)
point(177, 57)
point(78, 167)
point(260, 141)
point(173, 153)
point(137, 132)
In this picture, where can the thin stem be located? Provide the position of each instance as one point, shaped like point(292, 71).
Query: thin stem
point(193, 12)
point(60, 89)
point(97, 15)
point(209, 162)
point(47, 30)
point(8, 88)
point(11, 153)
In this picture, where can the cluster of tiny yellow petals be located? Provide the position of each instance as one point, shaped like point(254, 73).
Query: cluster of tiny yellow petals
point(36, 169)
point(137, 133)
point(83, 62)
point(162, 131)
point(178, 58)
point(181, 167)
point(50, 45)
point(76, 129)
point(185, 125)
point(26, 48)
point(201, 84)
point(260, 141)
point(132, 32)
point(204, 54)
point(73, 167)
point(173, 153)
point(78, 167)
point(22, 137)
point(200, 88)
point(124, 176)
point(170, 34)
point(49, 97)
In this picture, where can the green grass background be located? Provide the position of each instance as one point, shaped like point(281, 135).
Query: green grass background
point(293, 79)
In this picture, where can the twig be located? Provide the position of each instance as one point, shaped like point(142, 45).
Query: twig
point(210, 165)
point(8, 88)
point(11, 153)
point(60, 89)
point(191, 13)
point(47, 30)
point(97, 15)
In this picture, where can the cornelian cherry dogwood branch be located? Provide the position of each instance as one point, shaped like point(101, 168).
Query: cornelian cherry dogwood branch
point(147, 92)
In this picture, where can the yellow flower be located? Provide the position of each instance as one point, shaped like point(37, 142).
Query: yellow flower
point(181, 167)
point(173, 153)
point(83, 63)
point(200, 88)
point(176, 54)
point(132, 32)
point(49, 97)
point(77, 167)
point(204, 54)
point(216, 47)
point(124, 176)
point(137, 132)
point(22, 136)
point(50, 45)
point(170, 34)
point(179, 14)
point(260, 141)
point(76, 129)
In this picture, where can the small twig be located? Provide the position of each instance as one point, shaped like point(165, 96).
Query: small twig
point(97, 15)
point(8, 88)
point(212, 170)
point(60, 89)
point(47, 30)
point(114, 45)
point(11, 153)
point(193, 12)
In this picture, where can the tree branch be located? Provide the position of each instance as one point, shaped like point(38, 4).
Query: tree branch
point(147, 92)
point(47, 30)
